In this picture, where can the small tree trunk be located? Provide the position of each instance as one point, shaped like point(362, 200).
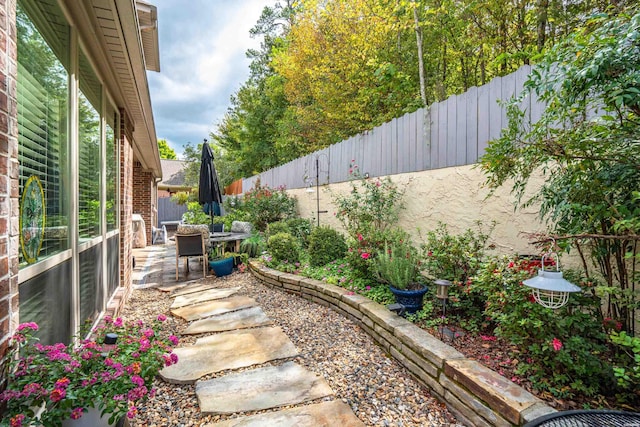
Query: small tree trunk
point(418, 30)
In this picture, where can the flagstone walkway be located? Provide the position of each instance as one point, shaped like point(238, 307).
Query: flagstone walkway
point(239, 367)
point(236, 334)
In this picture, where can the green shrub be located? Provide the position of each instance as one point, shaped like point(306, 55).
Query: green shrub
point(253, 246)
point(195, 214)
point(325, 245)
point(559, 350)
point(367, 213)
point(363, 248)
point(454, 257)
point(397, 265)
point(277, 227)
point(627, 367)
point(267, 205)
point(284, 247)
point(301, 228)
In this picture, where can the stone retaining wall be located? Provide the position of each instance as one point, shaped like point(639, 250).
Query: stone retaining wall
point(475, 394)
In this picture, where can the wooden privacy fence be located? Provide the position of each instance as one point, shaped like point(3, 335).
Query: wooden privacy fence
point(454, 132)
point(168, 210)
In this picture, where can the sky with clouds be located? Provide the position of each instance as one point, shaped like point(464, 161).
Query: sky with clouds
point(202, 63)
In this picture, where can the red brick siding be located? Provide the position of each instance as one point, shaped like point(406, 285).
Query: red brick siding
point(9, 184)
point(143, 197)
point(126, 197)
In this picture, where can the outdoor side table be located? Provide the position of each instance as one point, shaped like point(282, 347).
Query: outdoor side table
point(587, 418)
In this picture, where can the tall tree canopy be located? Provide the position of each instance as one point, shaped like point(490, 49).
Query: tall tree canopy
point(166, 152)
point(329, 69)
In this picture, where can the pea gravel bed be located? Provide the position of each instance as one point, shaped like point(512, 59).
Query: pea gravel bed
point(379, 390)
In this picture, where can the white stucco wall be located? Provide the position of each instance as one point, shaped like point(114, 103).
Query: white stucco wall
point(452, 195)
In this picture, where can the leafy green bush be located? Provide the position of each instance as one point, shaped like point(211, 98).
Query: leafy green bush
point(398, 265)
point(284, 247)
point(325, 245)
point(372, 204)
point(277, 227)
point(627, 367)
point(454, 257)
point(195, 214)
point(266, 205)
point(367, 213)
point(301, 228)
point(560, 351)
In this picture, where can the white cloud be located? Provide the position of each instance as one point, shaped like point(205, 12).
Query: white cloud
point(202, 58)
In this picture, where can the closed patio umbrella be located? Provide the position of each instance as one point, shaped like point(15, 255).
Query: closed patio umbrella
point(209, 193)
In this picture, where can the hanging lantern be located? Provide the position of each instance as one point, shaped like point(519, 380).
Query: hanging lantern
point(550, 289)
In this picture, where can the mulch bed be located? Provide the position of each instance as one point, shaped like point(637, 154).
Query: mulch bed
point(502, 357)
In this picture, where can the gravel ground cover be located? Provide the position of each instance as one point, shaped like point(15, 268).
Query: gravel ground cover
point(378, 389)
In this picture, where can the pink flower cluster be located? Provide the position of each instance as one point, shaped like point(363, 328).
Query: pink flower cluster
point(49, 375)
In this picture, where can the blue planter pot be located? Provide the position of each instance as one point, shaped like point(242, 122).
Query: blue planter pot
point(222, 267)
point(412, 300)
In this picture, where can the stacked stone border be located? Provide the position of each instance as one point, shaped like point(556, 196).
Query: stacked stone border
point(475, 394)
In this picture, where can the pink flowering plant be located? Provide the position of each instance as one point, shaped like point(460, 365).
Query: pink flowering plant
point(369, 214)
point(51, 383)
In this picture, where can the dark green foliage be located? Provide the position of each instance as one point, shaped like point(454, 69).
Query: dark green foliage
point(454, 257)
point(560, 351)
point(283, 247)
point(301, 228)
point(277, 227)
point(253, 246)
point(586, 143)
point(325, 245)
point(266, 205)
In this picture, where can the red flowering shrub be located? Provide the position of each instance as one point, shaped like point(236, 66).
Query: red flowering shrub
point(560, 351)
point(265, 205)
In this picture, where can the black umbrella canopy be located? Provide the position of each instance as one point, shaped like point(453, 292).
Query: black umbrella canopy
point(208, 187)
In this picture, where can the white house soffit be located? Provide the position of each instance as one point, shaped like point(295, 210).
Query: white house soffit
point(121, 39)
point(148, 21)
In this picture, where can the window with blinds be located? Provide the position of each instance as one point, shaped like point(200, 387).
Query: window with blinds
point(112, 119)
point(42, 94)
point(89, 103)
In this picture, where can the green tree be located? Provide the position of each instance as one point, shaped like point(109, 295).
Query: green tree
point(166, 152)
point(251, 131)
point(192, 155)
point(327, 70)
point(587, 145)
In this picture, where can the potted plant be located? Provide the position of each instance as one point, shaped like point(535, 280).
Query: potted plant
point(220, 262)
point(91, 382)
point(398, 265)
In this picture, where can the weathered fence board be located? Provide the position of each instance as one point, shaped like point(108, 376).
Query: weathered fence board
point(453, 132)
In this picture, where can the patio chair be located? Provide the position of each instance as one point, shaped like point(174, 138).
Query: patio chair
point(216, 228)
point(190, 245)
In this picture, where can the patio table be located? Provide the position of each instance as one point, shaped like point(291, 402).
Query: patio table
point(587, 418)
point(225, 237)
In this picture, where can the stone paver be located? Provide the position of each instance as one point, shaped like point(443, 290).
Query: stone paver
point(202, 296)
point(261, 388)
point(211, 308)
point(192, 288)
point(240, 319)
point(325, 414)
point(228, 350)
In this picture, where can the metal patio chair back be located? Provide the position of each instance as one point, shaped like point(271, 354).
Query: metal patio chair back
point(191, 245)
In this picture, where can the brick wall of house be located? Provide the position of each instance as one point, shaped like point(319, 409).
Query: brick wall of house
point(9, 184)
point(126, 210)
point(143, 202)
